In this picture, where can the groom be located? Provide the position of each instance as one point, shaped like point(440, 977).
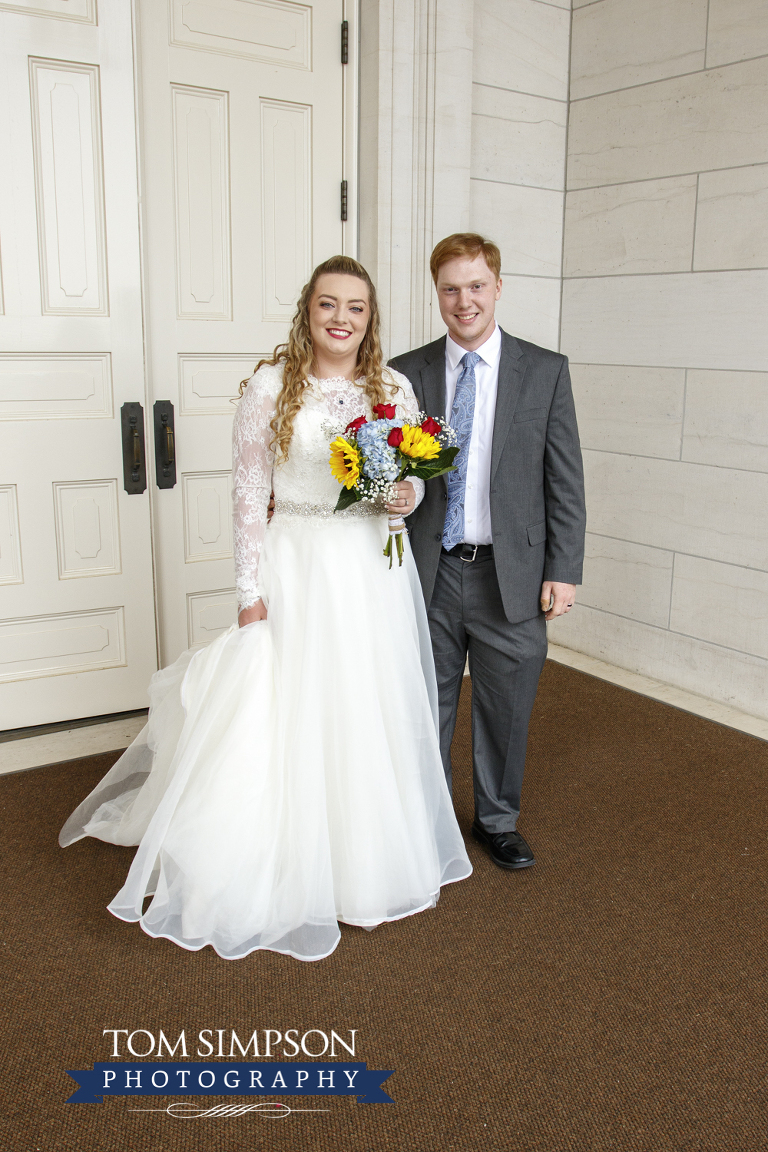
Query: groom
point(499, 542)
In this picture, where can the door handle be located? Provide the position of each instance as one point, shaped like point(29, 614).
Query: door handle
point(165, 444)
point(134, 456)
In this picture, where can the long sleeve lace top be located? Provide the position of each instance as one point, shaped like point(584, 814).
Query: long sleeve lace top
point(303, 483)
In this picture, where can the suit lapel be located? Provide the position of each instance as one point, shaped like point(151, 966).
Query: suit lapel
point(512, 366)
point(433, 380)
point(433, 383)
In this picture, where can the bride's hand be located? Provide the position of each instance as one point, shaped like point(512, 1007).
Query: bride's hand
point(257, 611)
point(405, 498)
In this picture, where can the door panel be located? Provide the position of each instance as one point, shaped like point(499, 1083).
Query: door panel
point(273, 33)
point(242, 159)
point(77, 633)
point(203, 236)
point(69, 182)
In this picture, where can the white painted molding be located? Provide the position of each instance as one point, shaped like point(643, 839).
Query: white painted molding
point(415, 149)
point(351, 130)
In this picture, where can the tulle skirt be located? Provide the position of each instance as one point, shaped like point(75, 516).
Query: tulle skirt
point(289, 776)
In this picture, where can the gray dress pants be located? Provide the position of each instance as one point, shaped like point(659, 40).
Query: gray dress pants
point(466, 617)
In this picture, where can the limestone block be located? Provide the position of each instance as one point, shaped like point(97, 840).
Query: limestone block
point(738, 30)
point(635, 410)
point(522, 45)
point(732, 218)
point(686, 320)
point(629, 579)
point(518, 139)
point(726, 419)
point(645, 226)
point(618, 43)
point(721, 603)
point(713, 119)
point(526, 223)
point(717, 513)
point(530, 308)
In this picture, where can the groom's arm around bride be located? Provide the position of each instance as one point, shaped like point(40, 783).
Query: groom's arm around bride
point(499, 543)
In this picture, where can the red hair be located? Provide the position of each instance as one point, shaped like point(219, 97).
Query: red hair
point(466, 244)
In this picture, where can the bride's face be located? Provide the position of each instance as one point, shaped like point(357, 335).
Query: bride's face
point(339, 312)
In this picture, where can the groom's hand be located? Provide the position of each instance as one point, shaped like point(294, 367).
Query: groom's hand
point(557, 599)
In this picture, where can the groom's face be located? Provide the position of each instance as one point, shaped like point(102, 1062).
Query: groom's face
point(467, 291)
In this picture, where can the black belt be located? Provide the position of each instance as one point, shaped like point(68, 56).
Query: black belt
point(470, 552)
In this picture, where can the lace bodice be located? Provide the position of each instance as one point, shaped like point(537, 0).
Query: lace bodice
point(305, 477)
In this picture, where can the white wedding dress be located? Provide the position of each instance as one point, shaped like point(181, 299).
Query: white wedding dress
point(289, 776)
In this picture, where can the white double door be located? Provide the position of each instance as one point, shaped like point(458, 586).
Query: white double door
point(172, 172)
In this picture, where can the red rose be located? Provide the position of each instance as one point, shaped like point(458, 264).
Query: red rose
point(431, 427)
point(385, 412)
point(395, 437)
point(356, 425)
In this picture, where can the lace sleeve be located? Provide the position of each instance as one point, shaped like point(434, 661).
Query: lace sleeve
point(252, 460)
point(409, 406)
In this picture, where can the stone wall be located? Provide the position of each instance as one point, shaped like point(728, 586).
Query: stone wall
point(665, 320)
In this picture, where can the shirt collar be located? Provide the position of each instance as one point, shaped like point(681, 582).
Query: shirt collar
point(490, 351)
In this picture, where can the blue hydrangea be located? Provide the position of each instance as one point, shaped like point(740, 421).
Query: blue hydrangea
point(380, 459)
point(375, 431)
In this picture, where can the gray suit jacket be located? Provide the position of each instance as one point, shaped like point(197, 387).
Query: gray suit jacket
point(538, 516)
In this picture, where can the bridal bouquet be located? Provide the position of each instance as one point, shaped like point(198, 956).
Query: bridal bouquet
point(370, 457)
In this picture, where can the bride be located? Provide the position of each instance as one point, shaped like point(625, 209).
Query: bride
point(289, 776)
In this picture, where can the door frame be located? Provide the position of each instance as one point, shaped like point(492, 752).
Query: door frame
point(351, 131)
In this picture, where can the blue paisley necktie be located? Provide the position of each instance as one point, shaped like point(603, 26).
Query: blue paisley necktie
point(462, 414)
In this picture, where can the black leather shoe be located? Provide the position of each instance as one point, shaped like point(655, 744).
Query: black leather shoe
point(508, 849)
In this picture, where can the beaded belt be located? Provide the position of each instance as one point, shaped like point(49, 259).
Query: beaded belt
point(292, 508)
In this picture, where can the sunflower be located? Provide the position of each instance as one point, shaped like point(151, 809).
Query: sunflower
point(418, 444)
point(345, 462)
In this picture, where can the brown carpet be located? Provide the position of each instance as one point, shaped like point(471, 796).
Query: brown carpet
point(612, 998)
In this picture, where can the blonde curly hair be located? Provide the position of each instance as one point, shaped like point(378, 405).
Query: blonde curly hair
point(298, 358)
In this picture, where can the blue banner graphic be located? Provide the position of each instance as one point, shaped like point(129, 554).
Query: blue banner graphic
point(227, 1079)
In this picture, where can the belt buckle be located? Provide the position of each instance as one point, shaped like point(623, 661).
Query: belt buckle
point(469, 559)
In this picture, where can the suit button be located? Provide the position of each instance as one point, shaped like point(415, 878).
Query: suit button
point(445, 495)
point(438, 535)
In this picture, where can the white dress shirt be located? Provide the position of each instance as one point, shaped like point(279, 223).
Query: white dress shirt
point(477, 502)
